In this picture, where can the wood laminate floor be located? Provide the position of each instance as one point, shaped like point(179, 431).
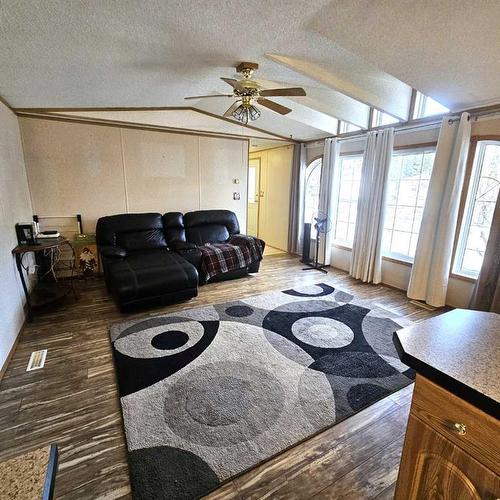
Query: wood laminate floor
point(73, 401)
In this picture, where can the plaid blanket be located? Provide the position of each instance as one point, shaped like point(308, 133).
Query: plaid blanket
point(239, 252)
point(255, 245)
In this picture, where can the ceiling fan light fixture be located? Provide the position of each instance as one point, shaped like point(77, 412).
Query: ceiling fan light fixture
point(240, 114)
point(245, 113)
point(253, 112)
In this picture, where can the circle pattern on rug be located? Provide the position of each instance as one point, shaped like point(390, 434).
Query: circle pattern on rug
point(239, 311)
point(170, 340)
point(322, 332)
point(151, 342)
point(220, 404)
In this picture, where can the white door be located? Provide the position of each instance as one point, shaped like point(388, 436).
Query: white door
point(253, 196)
point(276, 173)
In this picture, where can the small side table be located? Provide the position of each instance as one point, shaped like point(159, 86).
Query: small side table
point(45, 292)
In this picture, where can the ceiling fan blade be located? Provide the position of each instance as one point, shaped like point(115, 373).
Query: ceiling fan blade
point(274, 106)
point(234, 83)
point(211, 95)
point(292, 91)
point(231, 109)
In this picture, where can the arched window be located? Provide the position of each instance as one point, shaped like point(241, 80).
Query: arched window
point(313, 175)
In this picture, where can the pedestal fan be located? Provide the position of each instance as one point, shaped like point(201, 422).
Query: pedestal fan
point(322, 225)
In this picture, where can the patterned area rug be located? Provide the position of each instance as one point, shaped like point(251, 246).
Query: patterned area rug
point(208, 393)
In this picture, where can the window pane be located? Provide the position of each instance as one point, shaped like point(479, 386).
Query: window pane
point(412, 165)
point(341, 231)
point(404, 219)
point(427, 164)
point(392, 191)
point(401, 242)
point(350, 232)
point(347, 198)
point(343, 211)
point(479, 208)
point(389, 216)
point(407, 188)
point(347, 127)
point(408, 191)
point(426, 106)
point(422, 192)
point(313, 174)
point(380, 118)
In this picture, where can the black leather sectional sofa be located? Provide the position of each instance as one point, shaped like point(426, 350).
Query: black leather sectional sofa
point(150, 259)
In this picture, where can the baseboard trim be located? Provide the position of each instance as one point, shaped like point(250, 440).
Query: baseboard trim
point(9, 357)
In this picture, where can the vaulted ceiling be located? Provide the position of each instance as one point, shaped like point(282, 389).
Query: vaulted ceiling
point(348, 55)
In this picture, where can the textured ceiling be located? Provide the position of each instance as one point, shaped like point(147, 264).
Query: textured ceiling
point(133, 53)
point(448, 49)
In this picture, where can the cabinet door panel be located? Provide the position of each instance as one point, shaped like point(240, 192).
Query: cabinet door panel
point(434, 468)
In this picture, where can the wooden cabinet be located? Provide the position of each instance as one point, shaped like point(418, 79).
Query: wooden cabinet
point(451, 449)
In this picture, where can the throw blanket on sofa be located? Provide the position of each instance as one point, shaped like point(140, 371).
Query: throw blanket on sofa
point(255, 245)
point(239, 252)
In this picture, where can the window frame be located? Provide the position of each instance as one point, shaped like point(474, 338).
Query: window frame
point(410, 149)
point(459, 243)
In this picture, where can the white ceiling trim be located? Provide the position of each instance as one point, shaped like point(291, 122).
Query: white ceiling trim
point(190, 120)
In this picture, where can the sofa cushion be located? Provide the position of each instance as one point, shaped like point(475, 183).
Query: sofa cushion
point(148, 239)
point(150, 273)
point(109, 228)
point(210, 233)
point(210, 226)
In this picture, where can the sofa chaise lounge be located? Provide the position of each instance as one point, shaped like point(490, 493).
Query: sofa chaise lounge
point(149, 259)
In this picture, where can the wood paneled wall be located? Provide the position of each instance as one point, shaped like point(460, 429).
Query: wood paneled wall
point(100, 170)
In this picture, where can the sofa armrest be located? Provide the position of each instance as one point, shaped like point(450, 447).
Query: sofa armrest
point(181, 245)
point(113, 252)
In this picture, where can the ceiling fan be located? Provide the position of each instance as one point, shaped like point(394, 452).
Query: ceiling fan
point(248, 93)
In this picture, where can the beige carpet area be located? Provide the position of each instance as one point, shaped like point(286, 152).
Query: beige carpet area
point(23, 477)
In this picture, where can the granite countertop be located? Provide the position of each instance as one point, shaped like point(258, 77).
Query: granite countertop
point(459, 350)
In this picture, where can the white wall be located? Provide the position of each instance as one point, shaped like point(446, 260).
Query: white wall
point(100, 170)
point(393, 273)
point(15, 206)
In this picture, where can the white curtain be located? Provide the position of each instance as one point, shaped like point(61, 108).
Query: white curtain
point(431, 267)
point(366, 259)
point(326, 198)
point(297, 199)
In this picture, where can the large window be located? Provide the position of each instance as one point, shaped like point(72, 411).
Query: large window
point(427, 106)
point(409, 176)
point(347, 198)
point(313, 175)
point(479, 208)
